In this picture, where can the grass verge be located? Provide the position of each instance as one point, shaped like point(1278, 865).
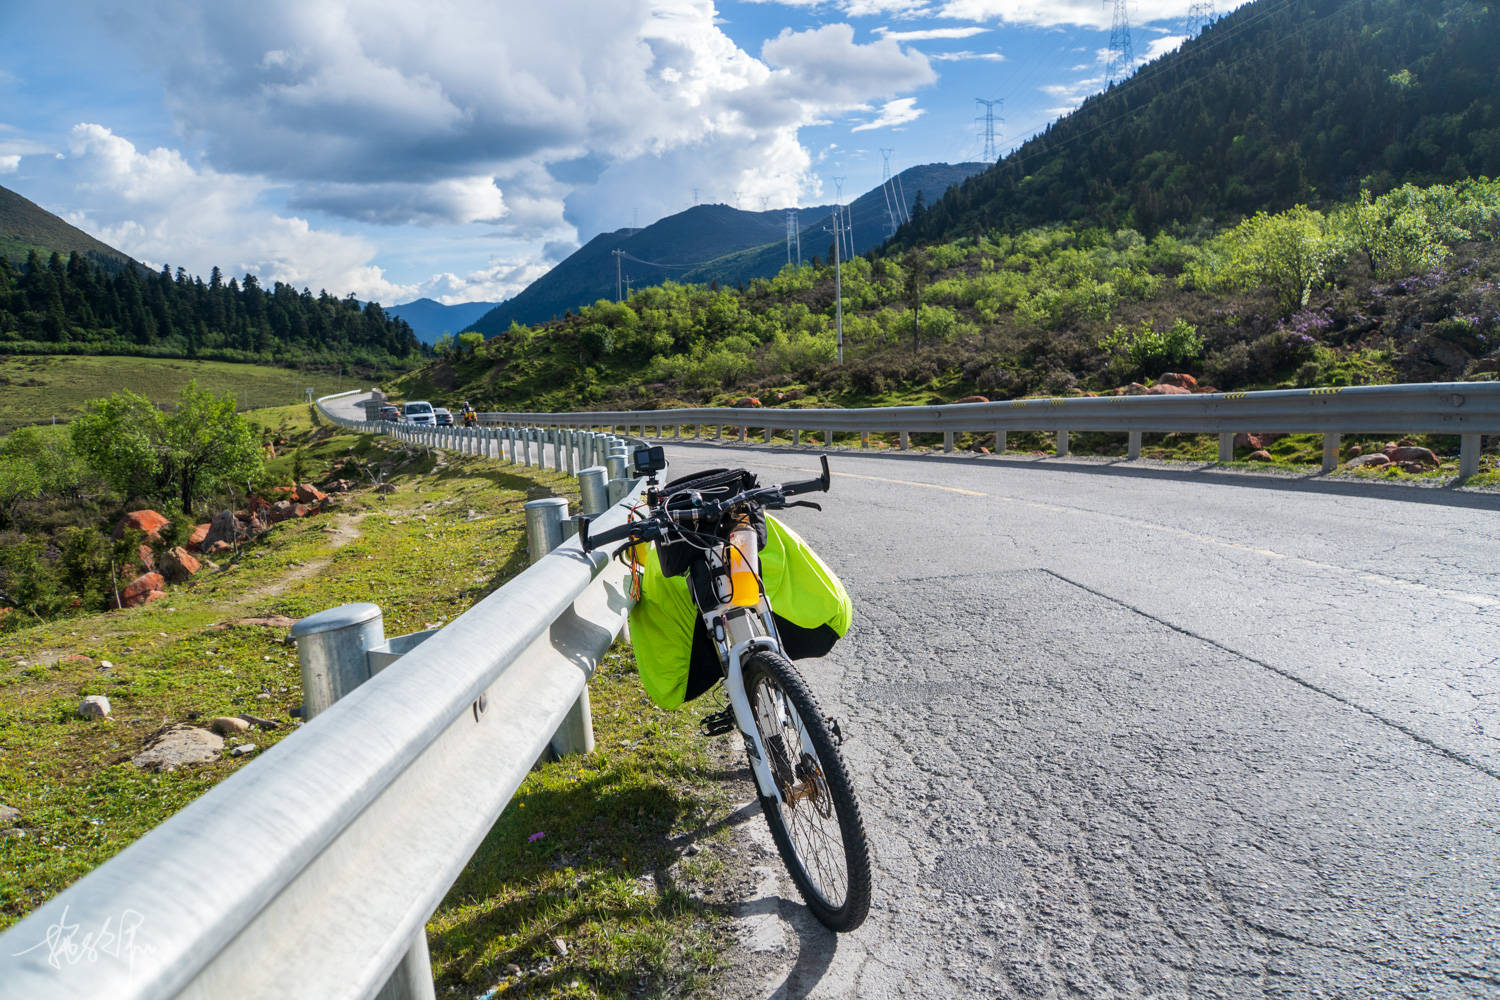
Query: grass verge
point(608, 877)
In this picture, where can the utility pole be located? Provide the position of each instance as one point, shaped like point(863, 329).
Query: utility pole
point(844, 228)
point(1199, 16)
point(991, 154)
point(838, 278)
point(618, 287)
point(1121, 55)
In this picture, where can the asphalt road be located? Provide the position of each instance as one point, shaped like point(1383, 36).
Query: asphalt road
point(1127, 731)
point(1122, 731)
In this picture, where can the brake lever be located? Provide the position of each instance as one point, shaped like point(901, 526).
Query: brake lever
point(802, 503)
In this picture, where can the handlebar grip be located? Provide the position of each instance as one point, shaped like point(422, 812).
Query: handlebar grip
point(810, 485)
point(592, 542)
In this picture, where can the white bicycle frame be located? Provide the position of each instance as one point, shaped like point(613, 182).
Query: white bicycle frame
point(737, 632)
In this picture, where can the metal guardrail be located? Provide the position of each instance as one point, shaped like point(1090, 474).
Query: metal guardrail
point(312, 871)
point(1468, 409)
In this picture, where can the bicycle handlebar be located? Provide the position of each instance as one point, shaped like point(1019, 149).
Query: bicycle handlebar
point(652, 529)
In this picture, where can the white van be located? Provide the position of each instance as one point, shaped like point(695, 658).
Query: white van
point(418, 411)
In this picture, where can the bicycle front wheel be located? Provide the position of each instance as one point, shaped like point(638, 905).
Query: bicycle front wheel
point(816, 825)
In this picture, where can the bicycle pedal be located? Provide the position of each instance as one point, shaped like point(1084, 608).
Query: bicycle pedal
point(717, 724)
point(834, 730)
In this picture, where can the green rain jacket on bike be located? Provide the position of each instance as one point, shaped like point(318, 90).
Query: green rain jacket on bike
point(802, 590)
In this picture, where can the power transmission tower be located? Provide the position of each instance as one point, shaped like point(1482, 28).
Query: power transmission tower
point(1199, 16)
point(885, 188)
point(991, 154)
point(695, 196)
point(1121, 54)
point(838, 274)
point(618, 287)
point(765, 202)
point(793, 238)
point(844, 229)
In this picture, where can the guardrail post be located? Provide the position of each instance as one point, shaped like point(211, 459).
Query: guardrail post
point(676, 432)
point(568, 455)
point(618, 484)
point(718, 431)
point(743, 432)
point(864, 439)
point(769, 431)
point(1468, 455)
point(1134, 448)
point(333, 648)
point(947, 440)
point(828, 438)
point(593, 490)
point(1330, 452)
point(1000, 442)
point(905, 441)
point(1062, 444)
point(796, 437)
point(1226, 446)
point(544, 532)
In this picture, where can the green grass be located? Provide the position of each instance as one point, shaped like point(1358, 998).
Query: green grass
point(602, 878)
point(41, 388)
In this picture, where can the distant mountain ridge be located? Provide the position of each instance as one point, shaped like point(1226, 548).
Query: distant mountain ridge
point(27, 226)
point(708, 243)
point(429, 319)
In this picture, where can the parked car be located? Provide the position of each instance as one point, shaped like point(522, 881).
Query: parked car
point(444, 418)
point(390, 413)
point(417, 411)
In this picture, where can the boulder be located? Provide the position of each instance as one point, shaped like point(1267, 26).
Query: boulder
point(148, 522)
point(225, 527)
point(219, 548)
point(1133, 389)
point(146, 558)
point(1407, 453)
point(1356, 450)
point(281, 511)
point(1374, 460)
point(747, 401)
point(95, 706)
point(257, 505)
point(1259, 456)
point(137, 591)
point(1179, 379)
point(309, 494)
point(177, 746)
point(340, 486)
point(195, 540)
point(1205, 390)
point(973, 399)
point(1414, 467)
point(178, 564)
point(1167, 389)
point(299, 510)
point(792, 395)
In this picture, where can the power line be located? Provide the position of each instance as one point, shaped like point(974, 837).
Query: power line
point(1199, 16)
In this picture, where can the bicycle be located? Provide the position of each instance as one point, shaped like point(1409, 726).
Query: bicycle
point(800, 777)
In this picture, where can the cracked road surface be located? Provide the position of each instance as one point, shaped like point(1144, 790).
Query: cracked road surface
point(1126, 732)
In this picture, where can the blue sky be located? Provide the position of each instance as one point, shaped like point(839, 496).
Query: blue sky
point(458, 148)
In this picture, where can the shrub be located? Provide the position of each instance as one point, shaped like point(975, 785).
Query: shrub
point(1147, 349)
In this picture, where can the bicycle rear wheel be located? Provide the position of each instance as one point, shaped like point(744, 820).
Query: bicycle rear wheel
point(817, 826)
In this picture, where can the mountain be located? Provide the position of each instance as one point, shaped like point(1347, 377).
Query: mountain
point(1279, 103)
point(707, 243)
point(429, 320)
point(26, 226)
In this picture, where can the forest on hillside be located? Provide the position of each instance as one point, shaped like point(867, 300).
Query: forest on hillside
point(1279, 103)
point(77, 306)
point(1396, 288)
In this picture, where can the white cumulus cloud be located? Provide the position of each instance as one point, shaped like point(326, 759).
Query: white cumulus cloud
point(897, 112)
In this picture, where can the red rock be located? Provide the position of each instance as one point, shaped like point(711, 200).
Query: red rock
point(1374, 460)
point(1390, 446)
point(1167, 389)
point(1259, 456)
point(308, 493)
point(1205, 390)
point(1356, 451)
point(299, 510)
point(147, 521)
point(747, 401)
point(256, 505)
point(219, 547)
point(136, 590)
point(973, 399)
point(153, 595)
point(282, 489)
point(1414, 466)
point(195, 540)
point(178, 565)
point(1407, 453)
point(281, 511)
point(1182, 381)
point(145, 557)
